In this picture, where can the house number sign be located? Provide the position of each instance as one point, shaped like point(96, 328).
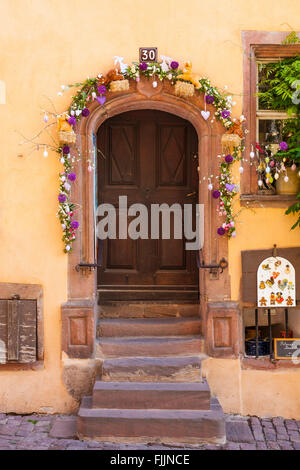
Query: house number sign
point(148, 54)
point(276, 285)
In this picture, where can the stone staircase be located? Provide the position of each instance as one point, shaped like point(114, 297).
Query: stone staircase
point(151, 388)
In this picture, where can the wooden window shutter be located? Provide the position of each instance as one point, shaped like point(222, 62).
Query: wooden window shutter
point(251, 260)
point(18, 331)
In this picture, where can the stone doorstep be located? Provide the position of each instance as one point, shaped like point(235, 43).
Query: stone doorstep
point(144, 309)
point(145, 395)
point(153, 369)
point(184, 426)
point(150, 346)
point(149, 327)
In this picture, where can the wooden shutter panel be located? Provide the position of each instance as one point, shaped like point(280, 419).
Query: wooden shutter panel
point(18, 331)
point(251, 260)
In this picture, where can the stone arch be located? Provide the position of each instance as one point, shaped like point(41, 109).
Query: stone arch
point(79, 313)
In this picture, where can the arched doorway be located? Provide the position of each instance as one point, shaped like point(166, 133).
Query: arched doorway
point(79, 313)
point(150, 157)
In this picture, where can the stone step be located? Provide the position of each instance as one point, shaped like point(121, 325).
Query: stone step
point(151, 293)
point(141, 395)
point(150, 346)
point(148, 309)
point(168, 426)
point(153, 369)
point(149, 327)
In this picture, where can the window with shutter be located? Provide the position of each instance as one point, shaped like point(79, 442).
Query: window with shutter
point(18, 331)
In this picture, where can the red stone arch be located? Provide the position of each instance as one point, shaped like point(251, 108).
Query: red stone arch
point(79, 313)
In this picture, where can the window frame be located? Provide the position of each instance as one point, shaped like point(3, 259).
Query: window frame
point(259, 46)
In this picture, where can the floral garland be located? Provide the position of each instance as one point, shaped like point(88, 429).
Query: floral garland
point(96, 88)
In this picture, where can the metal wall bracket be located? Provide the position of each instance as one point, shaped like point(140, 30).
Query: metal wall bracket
point(223, 264)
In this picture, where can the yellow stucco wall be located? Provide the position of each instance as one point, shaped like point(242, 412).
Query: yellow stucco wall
point(46, 43)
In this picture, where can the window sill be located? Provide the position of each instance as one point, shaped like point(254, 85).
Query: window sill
point(16, 366)
point(265, 363)
point(268, 200)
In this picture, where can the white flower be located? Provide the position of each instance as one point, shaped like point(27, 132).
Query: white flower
point(242, 118)
point(68, 248)
point(72, 112)
point(132, 68)
point(59, 93)
point(170, 76)
point(62, 160)
point(94, 95)
point(67, 186)
point(78, 112)
point(63, 226)
point(63, 178)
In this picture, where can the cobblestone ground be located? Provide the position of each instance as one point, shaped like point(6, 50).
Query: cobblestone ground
point(58, 432)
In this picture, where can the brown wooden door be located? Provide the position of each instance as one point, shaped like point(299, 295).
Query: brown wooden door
point(149, 157)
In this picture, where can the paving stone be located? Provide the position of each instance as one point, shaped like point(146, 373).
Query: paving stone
point(285, 445)
point(248, 446)
point(294, 435)
point(296, 445)
point(255, 421)
point(66, 429)
point(270, 435)
point(281, 430)
point(261, 446)
point(239, 432)
point(267, 424)
point(79, 445)
point(282, 437)
point(273, 445)
point(258, 433)
point(291, 424)
point(8, 429)
point(232, 446)
point(278, 421)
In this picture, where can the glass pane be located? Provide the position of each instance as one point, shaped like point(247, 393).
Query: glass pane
point(264, 73)
point(270, 133)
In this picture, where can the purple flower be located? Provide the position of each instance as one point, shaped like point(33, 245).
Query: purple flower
point(72, 121)
point(66, 149)
point(85, 112)
point(71, 177)
point(228, 159)
point(225, 114)
point(216, 194)
point(221, 231)
point(283, 145)
point(209, 99)
point(101, 89)
point(174, 65)
point(101, 100)
point(62, 197)
point(74, 224)
point(230, 187)
point(143, 66)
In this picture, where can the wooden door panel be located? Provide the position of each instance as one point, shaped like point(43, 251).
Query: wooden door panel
point(171, 153)
point(147, 156)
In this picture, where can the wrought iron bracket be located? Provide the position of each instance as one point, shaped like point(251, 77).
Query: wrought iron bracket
point(90, 266)
point(223, 264)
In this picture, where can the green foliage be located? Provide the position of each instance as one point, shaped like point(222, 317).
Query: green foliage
point(291, 38)
point(277, 83)
point(277, 89)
